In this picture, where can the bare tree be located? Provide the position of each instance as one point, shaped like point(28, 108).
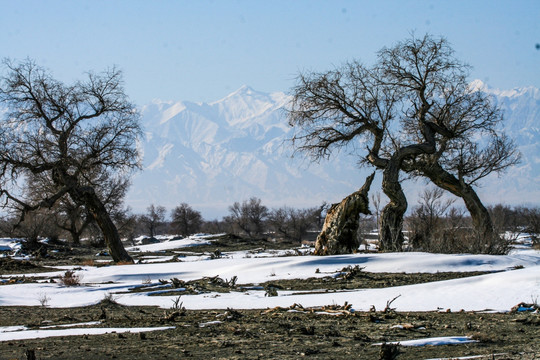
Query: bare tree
point(154, 218)
point(36, 225)
point(248, 216)
point(376, 200)
point(186, 220)
point(427, 217)
point(126, 222)
point(435, 207)
point(293, 223)
point(72, 216)
point(413, 111)
point(66, 134)
point(532, 223)
point(214, 226)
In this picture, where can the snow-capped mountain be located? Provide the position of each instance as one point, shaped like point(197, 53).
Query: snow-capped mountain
point(210, 155)
point(521, 184)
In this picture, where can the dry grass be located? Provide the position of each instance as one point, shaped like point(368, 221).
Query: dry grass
point(88, 262)
point(124, 263)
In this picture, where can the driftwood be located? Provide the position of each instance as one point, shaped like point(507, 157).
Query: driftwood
point(338, 235)
point(345, 309)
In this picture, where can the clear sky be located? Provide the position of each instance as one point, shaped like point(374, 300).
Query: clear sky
point(201, 50)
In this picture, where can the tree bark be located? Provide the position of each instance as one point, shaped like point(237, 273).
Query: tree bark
point(338, 235)
point(75, 237)
point(391, 235)
point(479, 214)
point(391, 226)
point(98, 211)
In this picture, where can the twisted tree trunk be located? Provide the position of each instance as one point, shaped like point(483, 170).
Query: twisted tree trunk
point(338, 235)
point(88, 196)
point(391, 221)
point(479, 214)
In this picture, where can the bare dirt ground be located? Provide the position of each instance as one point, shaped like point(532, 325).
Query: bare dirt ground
point(274, 334)
point(330, 333)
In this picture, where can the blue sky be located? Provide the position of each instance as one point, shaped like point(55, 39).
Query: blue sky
point(203, 50)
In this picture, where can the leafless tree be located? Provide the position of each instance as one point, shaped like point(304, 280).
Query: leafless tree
point(36, 226)
point(427, 217)
point(248, 216)
point(66, 134)
point(154, 218)
point(126, 222)
point(72, 216)
point(293, 223)
point(215, 226)
point(532, 223)
point(186, 220)
point(376, 200)
point(413, 111)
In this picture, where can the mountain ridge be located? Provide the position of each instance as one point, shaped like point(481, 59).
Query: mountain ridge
point(210, 155)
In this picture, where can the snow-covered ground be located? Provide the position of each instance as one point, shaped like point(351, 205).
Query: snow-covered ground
point(10, 333)
point(9, 245)
point(515, 278)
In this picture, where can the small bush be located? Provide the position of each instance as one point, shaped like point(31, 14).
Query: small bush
point(108, 299)
point(44, 300)
point(177, 304)
point(271, 291)
point(457, 241)
point(70, 279)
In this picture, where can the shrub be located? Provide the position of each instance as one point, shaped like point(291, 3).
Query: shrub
point(463, 240)
point(70, 279)
point(108, 299)
point(435, 227)
point(44, 300)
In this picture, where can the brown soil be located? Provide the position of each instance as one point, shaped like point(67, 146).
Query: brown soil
point(274, 334)
point(347, 279)
point(10, 266)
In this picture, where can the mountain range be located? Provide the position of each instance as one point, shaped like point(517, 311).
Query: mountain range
point(211, 155)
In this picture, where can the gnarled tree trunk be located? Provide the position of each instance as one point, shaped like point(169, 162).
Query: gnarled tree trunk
point(391, 222)
point(479, 214)
point(338, 235)
point(98, 211)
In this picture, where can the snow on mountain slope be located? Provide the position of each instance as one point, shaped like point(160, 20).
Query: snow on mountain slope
point(210, 155)
point(521, 184)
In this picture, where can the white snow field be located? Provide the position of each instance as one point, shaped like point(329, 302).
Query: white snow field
point(514, 278)
point(10, 333)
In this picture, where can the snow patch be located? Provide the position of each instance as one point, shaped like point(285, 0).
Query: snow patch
point(435, 341)
point(163, 152)
point(20, 333)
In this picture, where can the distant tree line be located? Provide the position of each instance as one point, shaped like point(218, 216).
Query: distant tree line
point(435, 225)
point(249, 218)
